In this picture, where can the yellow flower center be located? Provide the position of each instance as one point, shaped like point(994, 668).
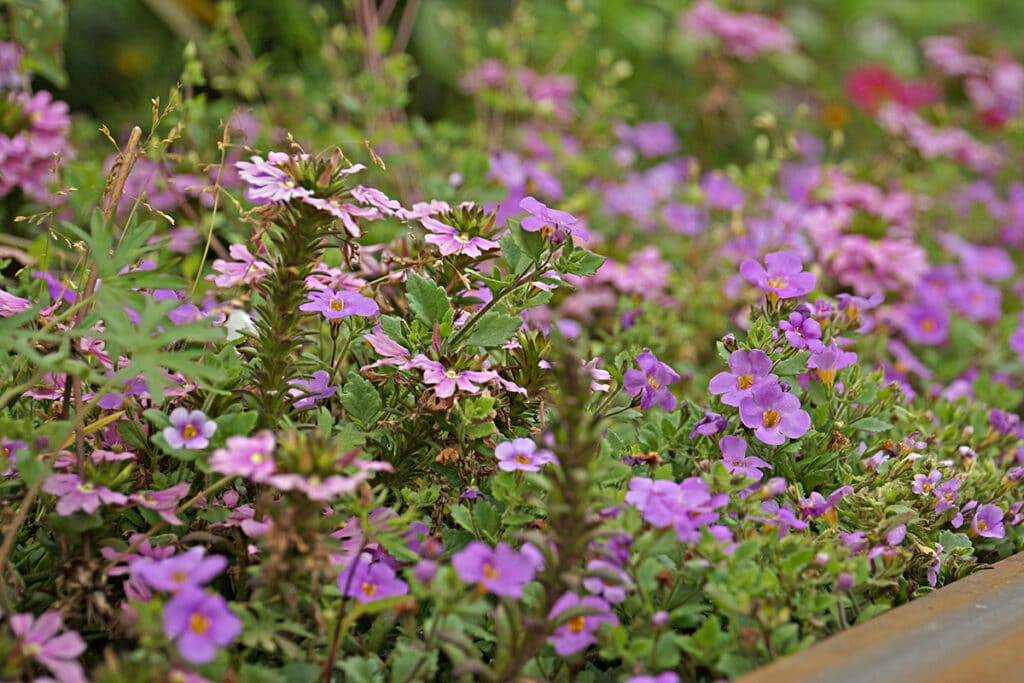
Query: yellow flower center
point(982, 526)
point(745, 381)
point(654, 383)
point(928, 325)
point(828, 376)
point(32, 650)
point(337, 305)
point(777, 282)
point(369, 589)
point(85, 488)
point(546, 231)
point(189, 431)
point(576, 625)
point(926, 487)
point(490, 571)
point(771, 418)
point(522, 460)
point(462, 239)
point(179, 577)
point(257, 458)
point(198, 623)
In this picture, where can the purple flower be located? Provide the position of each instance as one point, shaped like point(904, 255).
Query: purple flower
point(38, 639)
point(614, 591)
point(393, 353)
point(189, 429)
point(778, 516)
point(546, 220)
point(246, 269)
point(720, 192)
point(988, 521)
point(269, 181)
point(190, 569)
point(164, 502)
point(246, 456)
point(577, 633)
point(923, 485)
point(336, 305)
point(748, 368)
point(947, 494)
point(501, 571)
point(200, 622)
point(686, 506)
point(774, 414)
point(76, 494)
point(926, 323)
point(663, 677)
point(783, 278)
point(827, 360)
point(935, 566)
point(370, 581)
point(522, 455)
point(709, 425)
point(312, 390)
point(450, 240)
point(651, 382)
point(10, 304)
point(326, 488)
point(447, 381)
point(802, 332)
point(733, 451)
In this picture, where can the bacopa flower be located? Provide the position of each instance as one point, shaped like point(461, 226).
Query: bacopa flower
point(311, 390)
point(578, 633)
point(686, 506)
point(709, 425)
point(651, 382)
point(988, 522)
point(924, 485)
point(38, 639)
point(10, 304)
point(246, 456)
point(748, 368)
point(774, 414)
point(163, 502)
point(736, 461)
point(546, 220)
point(802, 332)
point(782, 276)
point(522, 455)
point(926, 323)
point(189, 429)
point(370, 581)
point(335, 305)
point(663, 677)
point(191, 568)
point(200, 622)
point(827, 360)
point(501, 571)
point(76, 494)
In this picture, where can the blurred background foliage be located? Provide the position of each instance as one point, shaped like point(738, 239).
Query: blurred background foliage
point(119, 54)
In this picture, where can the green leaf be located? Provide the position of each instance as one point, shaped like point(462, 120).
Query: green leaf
point(584, 263)
point(235, 424)
point(517, 259)
point(494, 329)
point(949, 540)
point(427, 300)
point(871, 424)
point(361, 399)
point(463, 517)
point(792, 366)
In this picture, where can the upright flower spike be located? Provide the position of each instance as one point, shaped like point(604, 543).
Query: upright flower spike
point(200, 622)
point(651, 382)
point(189, 429)
point(774, 414)
point(782, 276)
point(748, 368)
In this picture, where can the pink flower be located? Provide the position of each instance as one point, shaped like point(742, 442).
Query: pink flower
point(244, 270)
point(246, 456)
point(164, 502)
point(78, 495)
point(38, 639)
point(10, 304)
point(447, 381)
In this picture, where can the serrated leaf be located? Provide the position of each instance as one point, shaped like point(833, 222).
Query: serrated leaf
point(792, 366)
point(427, 301)
point(871, 424)
point(494, 329)
point(361, 399)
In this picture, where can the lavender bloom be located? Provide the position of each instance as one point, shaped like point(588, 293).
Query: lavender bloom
point(246, 456)
point(76, 494)
point(612, 591)
point(577, 633)
point(773, 414)
point(38, 639)
point(522, 455)
point(191, 569)
point(709, 425)
point(783, 278)
point(246, 269)
point(663, 677)
point(748, 369)
point(312, 390)
point(546, 220)
point(935, 566)
point(827, 360)
point(11, 305)
point(325, 489)
point(988, 521)
point(733, 451)
point(926, 323)
point(781, 517)
point(447, 381)
point(743, 35)
point(720, 192)
point(854, 306)
point(393, 353)
point(189, 429)
point(336, 305)
point(164, 502)
point(802, 332)
point(268, 181)
point(923, 485)
point(501, 571)
point(200, 622)
point(650, 382)
point(450, 241)
point(686, 506)
point(1001, 422)
point(370, 581)
point(947, 494)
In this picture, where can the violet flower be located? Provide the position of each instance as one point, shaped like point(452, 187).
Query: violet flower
point(76, 494)
point(200, 622)
point(335, 305)
point(550, 222)
point(988, 521)
point(926, 323)
point(748, 368)
point(189, 429)
point(164, 502)
point(651, 382)
point(447, 381)
point(522, 455)
point(773, 414)
point(501, 571)
point(370, 581)
point(10, 304)
point(663, 677)
point(578, 633)
point(709, 425)
point(784, 277)
point(190, 569)
point(246, 456)
point(450, 240)
point(311, 390)
point(802, 332)
point(827, 360)
point(38, 639)
point(268, 181)
point(733, 451)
